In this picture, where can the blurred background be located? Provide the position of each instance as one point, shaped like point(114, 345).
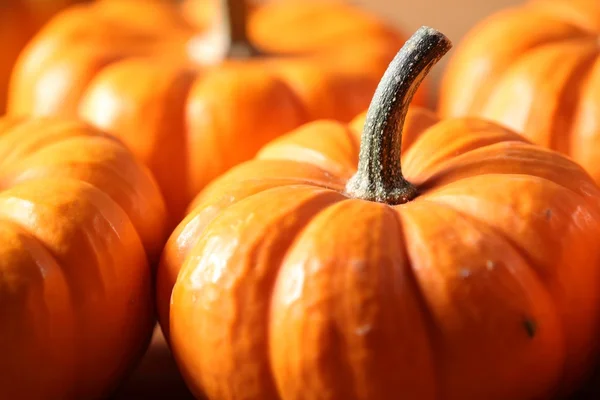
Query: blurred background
point(452, 17)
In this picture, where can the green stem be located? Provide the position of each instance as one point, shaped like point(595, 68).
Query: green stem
point(379, 176)
point(235, 17)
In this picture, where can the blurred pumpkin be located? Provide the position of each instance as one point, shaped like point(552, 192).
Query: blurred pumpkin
point(192, 103)
point(80, 220)
point(19, 21)
point(471, 271)
point(534, 68)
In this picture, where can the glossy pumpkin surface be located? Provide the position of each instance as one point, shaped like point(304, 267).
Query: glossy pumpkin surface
point(284, 282)
point(152, 80)
point(19, 21)
point(80, 222)
point(535, 69)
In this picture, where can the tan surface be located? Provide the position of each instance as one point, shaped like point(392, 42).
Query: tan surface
point(452, 17)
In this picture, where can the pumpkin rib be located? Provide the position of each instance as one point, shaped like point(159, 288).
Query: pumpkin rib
point(129, 188)
point(159, 106)
point(501, 29)
point(510, 158)
point(571, 12)
point(559, 78)
point(202, 211)
point(586, 126)
point(484, 135)
point(87, 285)
point(526, 226)
point(429, 321)
point(278, 169)
point(529, 261)
point(460, 366)
point(304, 202)
point(327, 352)
point(335, 151)
point(24, 137)
point(18, 270)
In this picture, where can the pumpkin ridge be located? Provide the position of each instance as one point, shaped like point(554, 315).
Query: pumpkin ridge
point(557, 10)
point(578, 351)
point(339, 354)
point(308, 202)
point(64, 130)
point(528, 263)
point(328, 181)
point(502, 152)
point(489, 82)
point(99, 272)
point(48, 272)
point(430, 326)
point(568, 103)
point(132, 181)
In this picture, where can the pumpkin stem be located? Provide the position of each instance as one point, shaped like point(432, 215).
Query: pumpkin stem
point(379, 175)
point(235, 16)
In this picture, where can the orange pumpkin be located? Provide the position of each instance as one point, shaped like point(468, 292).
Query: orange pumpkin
point(80, 219)
point(19, 21)
point(535, 69)
point(152, 80)
point(471, 271)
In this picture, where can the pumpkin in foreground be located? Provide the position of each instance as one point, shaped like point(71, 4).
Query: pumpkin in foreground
point(80, 219)
point(192, 102)
point(534, 68)
point(472, 271)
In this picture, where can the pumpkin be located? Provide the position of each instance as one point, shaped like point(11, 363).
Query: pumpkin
point(80, 222)
point(540, 76)
point(192, 103)
point(325, 268)
point(19, 21)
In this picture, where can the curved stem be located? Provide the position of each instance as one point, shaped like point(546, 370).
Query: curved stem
point(379, 176)
point(235, 16)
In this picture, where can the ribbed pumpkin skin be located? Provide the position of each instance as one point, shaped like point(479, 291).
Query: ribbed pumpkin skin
point(80, 222)
point(486, 286)
point(19, 21)
point(145, 80)
point(534, 68)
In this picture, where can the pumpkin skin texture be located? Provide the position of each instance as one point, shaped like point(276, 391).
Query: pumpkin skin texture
point(80, 222)
point(541, 76)
point(481, 284)
point(158, 85)
point(19, 21)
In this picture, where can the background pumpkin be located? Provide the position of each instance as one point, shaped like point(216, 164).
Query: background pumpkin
point(19, 21)
point(146, 80)
point(80, 220)
point(301, 274)
point(534, 68)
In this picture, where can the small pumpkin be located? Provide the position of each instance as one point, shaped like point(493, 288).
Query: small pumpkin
point(535, 69)
point(469, 271)
point(192, 103)
point(19, 21)
point(80, 221)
